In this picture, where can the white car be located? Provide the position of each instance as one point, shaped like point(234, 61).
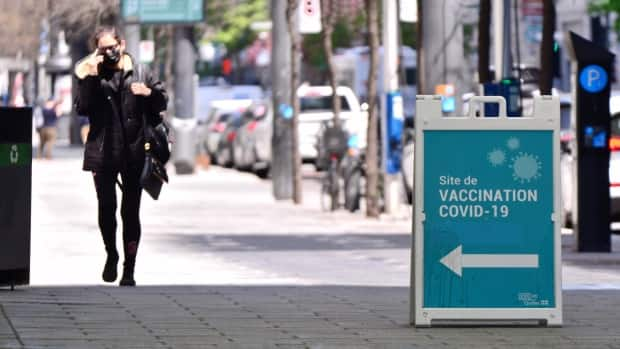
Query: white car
point(316, 107)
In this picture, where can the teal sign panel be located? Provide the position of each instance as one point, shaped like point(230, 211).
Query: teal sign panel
point(162, 11)
point(488, 231)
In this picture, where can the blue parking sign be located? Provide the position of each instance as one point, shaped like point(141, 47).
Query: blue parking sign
point(593, 78)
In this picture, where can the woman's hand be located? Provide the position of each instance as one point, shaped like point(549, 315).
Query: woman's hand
point(140, 89)
point(92, 64)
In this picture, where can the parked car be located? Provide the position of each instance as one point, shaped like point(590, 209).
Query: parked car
point(224, 152)
point(252, 146)
point(316, 107)
point(568, 156)
point(210, 131)
point(209, 95)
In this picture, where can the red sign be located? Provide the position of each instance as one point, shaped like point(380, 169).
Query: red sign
point(532, 8)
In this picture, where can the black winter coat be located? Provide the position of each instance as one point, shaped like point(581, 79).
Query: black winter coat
point(114, 145)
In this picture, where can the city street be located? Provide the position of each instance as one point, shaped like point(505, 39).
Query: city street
point(222, 264)
point(479, 259)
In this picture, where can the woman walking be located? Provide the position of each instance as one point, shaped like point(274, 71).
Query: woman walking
point(115, 100)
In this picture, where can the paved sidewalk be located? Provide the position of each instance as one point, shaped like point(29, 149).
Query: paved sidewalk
point(224, 265)
point(272, 317)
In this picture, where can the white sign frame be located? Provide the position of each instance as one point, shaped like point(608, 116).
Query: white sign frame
point(546, 116)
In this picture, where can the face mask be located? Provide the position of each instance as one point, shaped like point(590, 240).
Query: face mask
point(112, 57)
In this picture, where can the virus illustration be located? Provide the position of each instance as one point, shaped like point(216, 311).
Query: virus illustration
point(525, 167)
point(513, 143)
point(496, 157)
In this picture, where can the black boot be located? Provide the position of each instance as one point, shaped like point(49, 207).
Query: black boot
point(109, 270)
point(127, 279)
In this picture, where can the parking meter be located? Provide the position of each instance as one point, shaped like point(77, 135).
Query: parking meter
point(395, 124)
point(15, 189)
point(592, 66)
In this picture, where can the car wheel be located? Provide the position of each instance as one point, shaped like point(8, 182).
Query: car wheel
point(263, 173)
point(568, 220)
point(408, 191)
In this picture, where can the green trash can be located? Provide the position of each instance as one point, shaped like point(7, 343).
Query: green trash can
point(15, 195)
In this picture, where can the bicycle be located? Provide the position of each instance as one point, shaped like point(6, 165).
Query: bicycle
point(332, 146)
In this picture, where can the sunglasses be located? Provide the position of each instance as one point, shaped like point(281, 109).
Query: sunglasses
point(106, 48)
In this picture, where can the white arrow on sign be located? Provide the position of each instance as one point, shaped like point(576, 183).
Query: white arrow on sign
point(456, 260)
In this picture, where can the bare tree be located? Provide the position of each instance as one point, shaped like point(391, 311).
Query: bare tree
point(421, 61)
point(372, 152)
point(328, 13)
point(21, 26)
point(291, 14)
point(546, 48)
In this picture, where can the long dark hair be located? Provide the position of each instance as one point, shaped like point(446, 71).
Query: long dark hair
point(105, 30)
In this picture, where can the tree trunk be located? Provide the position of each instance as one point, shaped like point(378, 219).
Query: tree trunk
point(421, 78)
point(168, 76)
point(291, 15)
point(484, 39)
point(372, 152)
point(546, 48)
point(328, 10)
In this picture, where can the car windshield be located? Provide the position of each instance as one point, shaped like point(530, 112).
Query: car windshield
point(223, 118)
point(235, 119)
point(530, 75)
point(322, 103)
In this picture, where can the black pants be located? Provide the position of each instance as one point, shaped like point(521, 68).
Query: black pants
point(105, 184)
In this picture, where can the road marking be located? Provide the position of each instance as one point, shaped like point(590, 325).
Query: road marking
point(456, 260)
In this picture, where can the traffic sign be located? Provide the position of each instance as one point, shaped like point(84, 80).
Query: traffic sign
point(147, 51)
point(487, 217)
point(162, 11)
point(309, 16)
point(593, 78)
point(409, 11)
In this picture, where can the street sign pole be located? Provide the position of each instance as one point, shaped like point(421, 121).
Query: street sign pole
point(132, 40)
point(487, 216)
point(282, 138)
point(184, 123)
point(390, 145)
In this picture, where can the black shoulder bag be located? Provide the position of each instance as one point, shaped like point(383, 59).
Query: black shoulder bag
point(156, 150)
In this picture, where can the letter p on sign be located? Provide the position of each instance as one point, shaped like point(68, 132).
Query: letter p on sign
point(309, 16)
point(593, 75)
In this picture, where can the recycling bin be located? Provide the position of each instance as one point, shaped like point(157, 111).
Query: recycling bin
point(15, 197)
